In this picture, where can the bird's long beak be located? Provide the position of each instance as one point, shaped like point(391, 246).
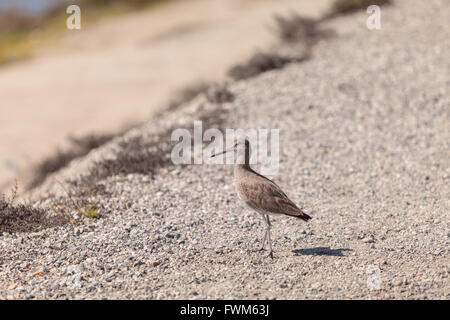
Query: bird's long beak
point(219, 153)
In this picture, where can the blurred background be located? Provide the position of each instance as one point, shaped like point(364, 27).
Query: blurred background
point(125, 64)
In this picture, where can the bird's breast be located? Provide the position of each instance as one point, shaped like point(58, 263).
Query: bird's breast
point(238, 191)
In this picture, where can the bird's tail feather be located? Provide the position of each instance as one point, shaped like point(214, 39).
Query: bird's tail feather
point(302, 215)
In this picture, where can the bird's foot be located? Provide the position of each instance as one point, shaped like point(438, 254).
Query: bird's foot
point(258, 249)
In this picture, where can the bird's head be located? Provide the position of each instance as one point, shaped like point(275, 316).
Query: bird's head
point(239, 144)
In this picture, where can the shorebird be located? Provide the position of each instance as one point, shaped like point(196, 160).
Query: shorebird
point(260, 193)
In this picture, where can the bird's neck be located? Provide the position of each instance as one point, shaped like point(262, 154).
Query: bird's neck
point(244, 166)
point(243, 159)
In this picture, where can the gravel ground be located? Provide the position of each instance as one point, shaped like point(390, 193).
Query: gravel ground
point(364, 150)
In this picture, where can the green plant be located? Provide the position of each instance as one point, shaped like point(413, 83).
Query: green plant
point(89, 211)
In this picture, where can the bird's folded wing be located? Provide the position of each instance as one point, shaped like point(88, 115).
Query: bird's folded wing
point(267, 197)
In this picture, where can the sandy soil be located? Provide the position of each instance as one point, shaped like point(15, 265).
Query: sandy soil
point(124, 69)
point(364, 150)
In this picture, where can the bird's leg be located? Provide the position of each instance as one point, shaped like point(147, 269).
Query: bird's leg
point(268, 236)
point(263, 242)
point(265, 236)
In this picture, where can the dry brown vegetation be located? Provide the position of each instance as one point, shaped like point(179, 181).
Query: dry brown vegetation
point(25, 218)
point(259, 63)
point(295, 28)
point(186, 95)
point(79, 147)
point(219, 94)
point(341, 7)
point(213, 92)
point(292, 29)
